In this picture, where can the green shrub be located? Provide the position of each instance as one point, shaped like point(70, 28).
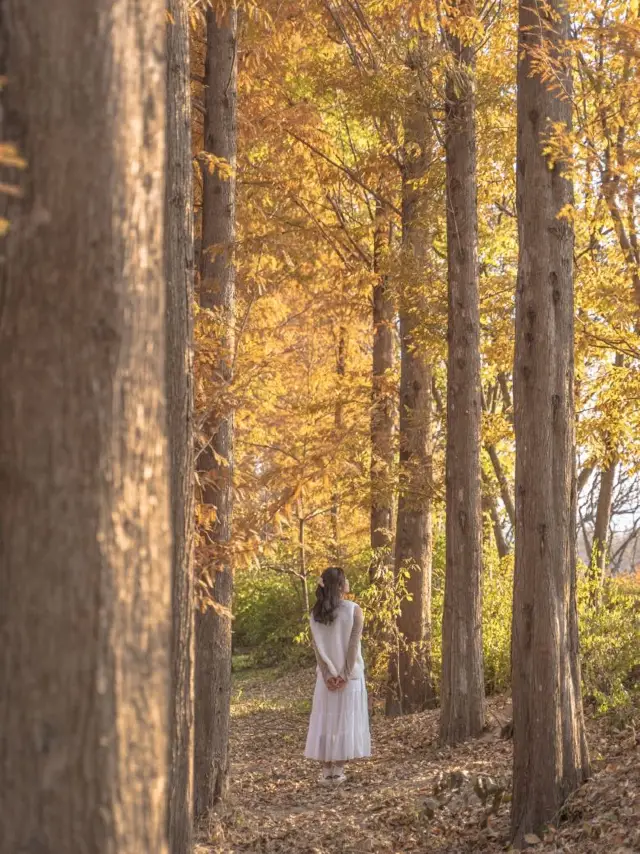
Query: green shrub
point(271, 625)
point(380, 603)
point(609, 641)
point(268, 616)
point(497, 593)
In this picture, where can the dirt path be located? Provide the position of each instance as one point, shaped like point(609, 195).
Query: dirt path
point(412, 796)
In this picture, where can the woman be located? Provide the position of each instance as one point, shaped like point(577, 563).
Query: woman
point(339, 725)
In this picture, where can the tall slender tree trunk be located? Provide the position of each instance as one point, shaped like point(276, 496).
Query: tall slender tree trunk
point(550, 751)
point(383, 406)
point(85, 551)
point(462, 692)
point(217, 293)
point(341, 366)
point(505, 492)
point(179, 272)
point(503, 483)
point(302, 562)
point(626, 232)
point(410, 686)
point(489, 507)
point(599, 545)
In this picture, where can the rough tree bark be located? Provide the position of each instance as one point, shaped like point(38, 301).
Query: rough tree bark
point(217, 293)
point(489, 507)
point(85, 551)
point(383, 405)
point(410, 685)
point(341, 366)
point(505, 492)
point(462, 691)
point(599, 545)
point(550, 751)
point(507, 411)
point(179, 273)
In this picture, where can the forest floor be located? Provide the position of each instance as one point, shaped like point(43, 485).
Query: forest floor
point(413, 795)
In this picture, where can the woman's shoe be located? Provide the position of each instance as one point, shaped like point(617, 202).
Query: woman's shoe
point(326, 776)
point(339, 779)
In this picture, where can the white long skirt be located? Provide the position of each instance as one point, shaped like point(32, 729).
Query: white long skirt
point(339, 724)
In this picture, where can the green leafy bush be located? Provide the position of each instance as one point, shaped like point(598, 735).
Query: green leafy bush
point(610, 641)
point(382, 604)
point(497, 593)
point(268, 617)
point(271, 625)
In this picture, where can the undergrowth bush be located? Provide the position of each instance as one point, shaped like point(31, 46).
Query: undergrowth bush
point(497, 595)
point(382, 604)
point(268, 616)
point(610, 642)
point(271, 625)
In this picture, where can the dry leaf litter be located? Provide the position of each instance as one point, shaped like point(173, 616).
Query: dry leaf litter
point(413, 795)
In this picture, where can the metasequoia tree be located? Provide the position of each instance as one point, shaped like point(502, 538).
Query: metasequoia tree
point(215, 463)
point(599, 557)
point(341, 364)
point(383, 399)
point(410, 686)
point(550, 751)
point(462, 691)
point(606, 123)
point(85, 553)
point(179, 273)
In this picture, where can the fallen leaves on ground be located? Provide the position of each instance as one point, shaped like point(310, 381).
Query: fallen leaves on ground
point(413, 795)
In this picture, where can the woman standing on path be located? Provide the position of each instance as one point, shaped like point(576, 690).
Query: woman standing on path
point(339, 725)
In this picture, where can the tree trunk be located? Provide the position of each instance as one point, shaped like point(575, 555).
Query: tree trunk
point(217, 293)
point(85, 566)
point(462, 691)
point(550, 751)
point(302, 556)
point(507, 402)
point(599, 546)
point(610, 178)
point(489, 507)
point(179, 272)
point(383, 408)
point(505, 492)
point(341, 364)
point(410, 686)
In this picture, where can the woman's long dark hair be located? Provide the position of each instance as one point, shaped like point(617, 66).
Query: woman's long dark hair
point(329, 595)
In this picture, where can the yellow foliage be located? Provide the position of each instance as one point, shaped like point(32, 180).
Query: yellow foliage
point(322, 101)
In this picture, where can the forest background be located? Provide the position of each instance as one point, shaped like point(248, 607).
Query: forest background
point(321, 153)
point(403, 238)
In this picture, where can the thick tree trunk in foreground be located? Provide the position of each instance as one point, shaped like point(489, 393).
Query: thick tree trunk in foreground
point(550, 751)
point(410, 686)
point(179, 271)
point(85, 552)
point(383, 407)
point(462, 693)
point(217, 291)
